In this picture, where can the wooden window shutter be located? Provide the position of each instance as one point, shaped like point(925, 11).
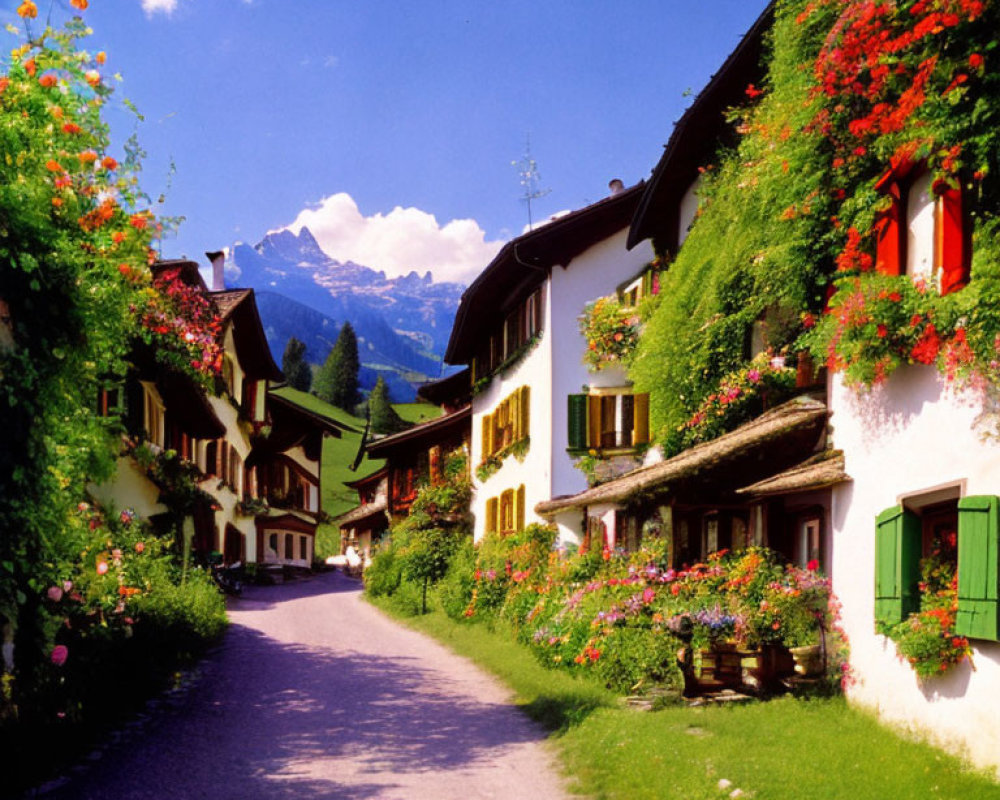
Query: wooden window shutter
point(640, 420)
point(577, 421)
point(647, 284)
point(889, 232)
point(487, 435)
point(954, 250)
point(897, 564)
point(519, 509)
point(593, 420)
point(491, 515)
point(539, 295)
point(525, 411)
point(514, 415)
point(978, 575)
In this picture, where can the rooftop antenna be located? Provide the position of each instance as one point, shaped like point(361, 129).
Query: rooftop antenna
point(527, 169)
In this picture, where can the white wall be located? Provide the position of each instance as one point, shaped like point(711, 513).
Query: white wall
point(909, 435)
point(593, 274)
point(554, 370)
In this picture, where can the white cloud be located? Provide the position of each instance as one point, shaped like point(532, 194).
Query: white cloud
point(159, 6)
point(404, 239)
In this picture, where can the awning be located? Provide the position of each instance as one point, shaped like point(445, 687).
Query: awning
point(797, 424)
point(373, 512)
point(825, 469)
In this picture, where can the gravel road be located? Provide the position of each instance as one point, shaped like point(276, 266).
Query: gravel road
point(315, 694)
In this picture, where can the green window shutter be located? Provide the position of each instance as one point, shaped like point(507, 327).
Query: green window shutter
point(897, 564)
point(978, 575)
point(577, 421)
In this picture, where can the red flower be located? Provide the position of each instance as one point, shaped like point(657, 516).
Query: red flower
point(71, 127)
point(752, 91)
point(975, 61)
point(926, 350)
point(813, 565)
point(882, 331)
point(47, 81)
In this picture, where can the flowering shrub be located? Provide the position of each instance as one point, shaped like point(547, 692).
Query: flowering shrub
point(739, 396)
point(611, 331)
point(791, 215)
point(927, 639)
point(184, 326)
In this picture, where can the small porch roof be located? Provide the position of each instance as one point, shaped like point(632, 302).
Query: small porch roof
point(373, 512)
point(797, 424)
point(823, 470)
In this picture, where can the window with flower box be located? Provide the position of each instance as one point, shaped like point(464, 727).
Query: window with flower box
point(924, 233)
point(963, 536)
point(507, 425)
point(608, 420)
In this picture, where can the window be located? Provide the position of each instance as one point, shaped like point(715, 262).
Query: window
point(809, 544)
point(289, 546)
point(608, 421)
point(506, 513)
point(304, 548)
point(153, 413)
point(924, 231)
point(522, 323)
point(507, 424)
point(964, 533)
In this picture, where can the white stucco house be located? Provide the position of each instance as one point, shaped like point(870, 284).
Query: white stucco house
point(518, 329)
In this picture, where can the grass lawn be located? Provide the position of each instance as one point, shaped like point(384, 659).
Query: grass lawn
point(784, 749)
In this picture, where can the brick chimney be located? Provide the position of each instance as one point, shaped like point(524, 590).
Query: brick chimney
point(218, 259)
point(616, 186)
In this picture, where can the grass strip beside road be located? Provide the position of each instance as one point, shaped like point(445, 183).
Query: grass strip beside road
point(784, 749)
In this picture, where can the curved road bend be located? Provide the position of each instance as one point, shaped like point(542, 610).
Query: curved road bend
point(315, 694)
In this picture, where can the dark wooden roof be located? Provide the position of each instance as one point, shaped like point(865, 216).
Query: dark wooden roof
point(524, 263)
point(367, 480)
point(373, 512)
point(426, 433)
point(696, 137)
point(819, 472)
point(238, 307)
point(455, 390)
point(188, 271)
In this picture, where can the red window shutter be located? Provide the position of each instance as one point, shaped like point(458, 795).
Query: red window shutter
point(889, 259)
point(954, 250)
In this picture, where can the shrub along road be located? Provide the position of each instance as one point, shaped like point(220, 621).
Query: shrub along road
point(315, 694)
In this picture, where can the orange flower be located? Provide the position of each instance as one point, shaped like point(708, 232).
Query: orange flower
point(137, 221)
point(93, 77)
point(4, 83)
point(27, 9)
point(87, 157)
point(56, 111)
point(57, 201)
point(124, 269)
point(80, 4)
point(117, 237)
point(47, 81)
point(29, 65)
point(101, 57)
point(53, 166)
point(71, 127)
point(109, 163)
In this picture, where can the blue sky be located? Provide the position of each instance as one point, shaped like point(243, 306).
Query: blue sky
point(404, 116)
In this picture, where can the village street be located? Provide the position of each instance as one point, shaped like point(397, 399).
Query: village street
point(315, 694)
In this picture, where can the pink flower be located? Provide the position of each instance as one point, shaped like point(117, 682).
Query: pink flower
point(55, 593)
point(139, 547)
point(648, 595)
point(102, 567)
point(753, 376)
point(59, 654)
point(67, 585)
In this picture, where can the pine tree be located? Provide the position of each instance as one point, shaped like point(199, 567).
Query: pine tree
point(298, 374)
point(384, 418)
point(337, 380)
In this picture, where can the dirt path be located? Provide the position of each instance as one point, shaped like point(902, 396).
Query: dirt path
point(315, 694)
